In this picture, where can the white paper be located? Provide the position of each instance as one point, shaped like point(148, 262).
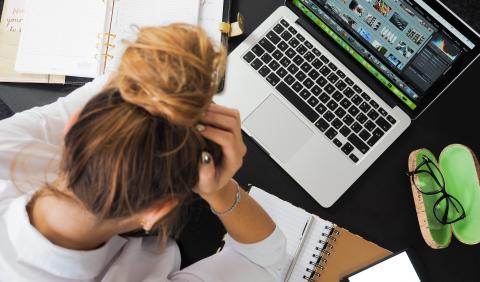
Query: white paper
point(211, 15)
point(61, 37)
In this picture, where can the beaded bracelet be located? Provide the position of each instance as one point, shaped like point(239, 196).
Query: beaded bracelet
point(235, 204)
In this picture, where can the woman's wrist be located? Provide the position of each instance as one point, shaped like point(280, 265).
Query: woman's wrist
point(224, 198)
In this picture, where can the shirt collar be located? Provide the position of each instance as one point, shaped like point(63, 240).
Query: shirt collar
point(34, 249)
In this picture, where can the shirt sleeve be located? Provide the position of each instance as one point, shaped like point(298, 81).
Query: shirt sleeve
point(36, 134)
point(237, 262)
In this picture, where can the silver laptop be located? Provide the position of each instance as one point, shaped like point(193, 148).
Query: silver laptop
point(326, 86)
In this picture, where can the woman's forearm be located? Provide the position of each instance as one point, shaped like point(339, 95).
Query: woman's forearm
point(247, 222)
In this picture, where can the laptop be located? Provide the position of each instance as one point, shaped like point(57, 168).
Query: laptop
point(326, 86)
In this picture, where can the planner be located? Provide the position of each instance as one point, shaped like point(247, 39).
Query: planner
point(317, 249)
point(86, 38)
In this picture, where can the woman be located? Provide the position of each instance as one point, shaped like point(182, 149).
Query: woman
point(130, 159)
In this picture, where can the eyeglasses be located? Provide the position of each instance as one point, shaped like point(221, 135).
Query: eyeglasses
point(447, 209)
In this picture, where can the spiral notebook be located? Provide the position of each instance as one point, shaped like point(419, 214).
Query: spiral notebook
point(318, 250)
point(84, 37)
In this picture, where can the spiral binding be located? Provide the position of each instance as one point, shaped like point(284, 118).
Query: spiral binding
point(319, 257)
point(104, 47)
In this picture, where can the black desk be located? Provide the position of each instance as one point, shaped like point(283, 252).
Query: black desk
point(379, 206)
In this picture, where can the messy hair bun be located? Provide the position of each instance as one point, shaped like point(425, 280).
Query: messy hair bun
point(172, 72)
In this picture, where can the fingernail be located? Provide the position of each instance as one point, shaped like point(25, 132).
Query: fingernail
point(200, 127)
point(206, 158)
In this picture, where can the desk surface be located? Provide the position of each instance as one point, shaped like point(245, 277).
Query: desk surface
point(379, 205)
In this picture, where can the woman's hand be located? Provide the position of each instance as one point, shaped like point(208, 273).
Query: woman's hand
point(222, 126)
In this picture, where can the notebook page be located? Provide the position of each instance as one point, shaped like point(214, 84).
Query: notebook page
point(211, 15)
point(129, 15)
point(60, 37)
point(290, 219)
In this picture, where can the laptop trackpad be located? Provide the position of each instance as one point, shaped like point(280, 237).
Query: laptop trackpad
point(278, 129)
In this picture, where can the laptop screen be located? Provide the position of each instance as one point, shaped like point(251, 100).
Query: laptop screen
point(404, 44)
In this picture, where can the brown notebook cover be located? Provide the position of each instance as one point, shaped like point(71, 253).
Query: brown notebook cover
point(344, 254)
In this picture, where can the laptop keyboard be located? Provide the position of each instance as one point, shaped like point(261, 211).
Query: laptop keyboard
point(325, 95)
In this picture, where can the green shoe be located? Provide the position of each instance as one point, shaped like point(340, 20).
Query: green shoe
point(435, 234)
point(461, 171)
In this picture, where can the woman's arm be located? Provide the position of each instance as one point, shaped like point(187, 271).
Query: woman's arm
point(41, 127)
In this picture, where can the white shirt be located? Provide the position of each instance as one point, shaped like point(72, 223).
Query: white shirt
point(26, 255)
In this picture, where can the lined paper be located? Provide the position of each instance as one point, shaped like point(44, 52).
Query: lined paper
point(291, 220)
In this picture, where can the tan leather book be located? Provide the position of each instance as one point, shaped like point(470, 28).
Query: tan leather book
point(346, 253)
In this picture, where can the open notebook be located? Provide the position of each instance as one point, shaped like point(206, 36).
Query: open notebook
point(318, 250)
point(84, 37)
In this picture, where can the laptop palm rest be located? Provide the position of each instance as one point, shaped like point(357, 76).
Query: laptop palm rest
point(279, 130)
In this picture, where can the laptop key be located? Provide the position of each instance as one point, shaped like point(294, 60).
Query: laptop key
point(357, 88)
point(348, 120)
point(353, 111)
point(358, 143)
point(340, 85)
point(354, 158)
point(301, 49)
point(345, 131)
point(274, 65)
point(383, 124)
point(273, 79)
point(337, 123)
point(340, 112)
point(324, 97)
point(349, 81)
point(324, 59)
point(297, 102)
point(308, 83)
point(316, 90)
point(293, 42)
point(290, 53)
point(317, 64)
point(332, 105)
point(278, 28)
point(256, 64)
point(329, 88)
point(298, 60)
point(356, 127)
point(272, 36)
point(281, 72)
point(267, 45)
point(378, 132)
point(382, 111)
point(312, 101)
point(322, 125)
point(333, 78)
point(313, 74)
point(300, 37)
point(337, 143)
point(373, 114)
point(306, 67)
point(321, 109)
point(282, 46)
point(366, 97)
point(329, 116)
point(337, 95)
point(316, 52)
point(297, 87)
point(357, 100)
point(369, 125)
point(332, 66)
point(266, 58)
point(374, 104)
point(305, 94)
point(284, 23)
point(285, 62)
point(258, 50)
point(309, 56)
point(365, 107)
point(286, 35)
point(292, 30)
point(322, 81)
point(277, 55)
point(348, 92)
point(325, 70)
point(361, 118)
point(300, 76)
point(347, 148)
point(391, 119)
point(345, 103)
point(341, 74)
point(308, 45)
point(375, 137)
point(289, 79)
point(364, 134)
point(331, 133)
point(264, 71)
point(249, 57)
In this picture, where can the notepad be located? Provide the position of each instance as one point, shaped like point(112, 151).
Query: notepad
point(84, 37)
point(322, 252)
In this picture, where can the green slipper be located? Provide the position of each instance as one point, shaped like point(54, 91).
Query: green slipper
point(460, 169)
point(435, 234)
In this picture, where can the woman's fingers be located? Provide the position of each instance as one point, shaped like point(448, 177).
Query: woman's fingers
point(232, 147)
point(222, 121)
point(206, 174)
point(224, 110)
